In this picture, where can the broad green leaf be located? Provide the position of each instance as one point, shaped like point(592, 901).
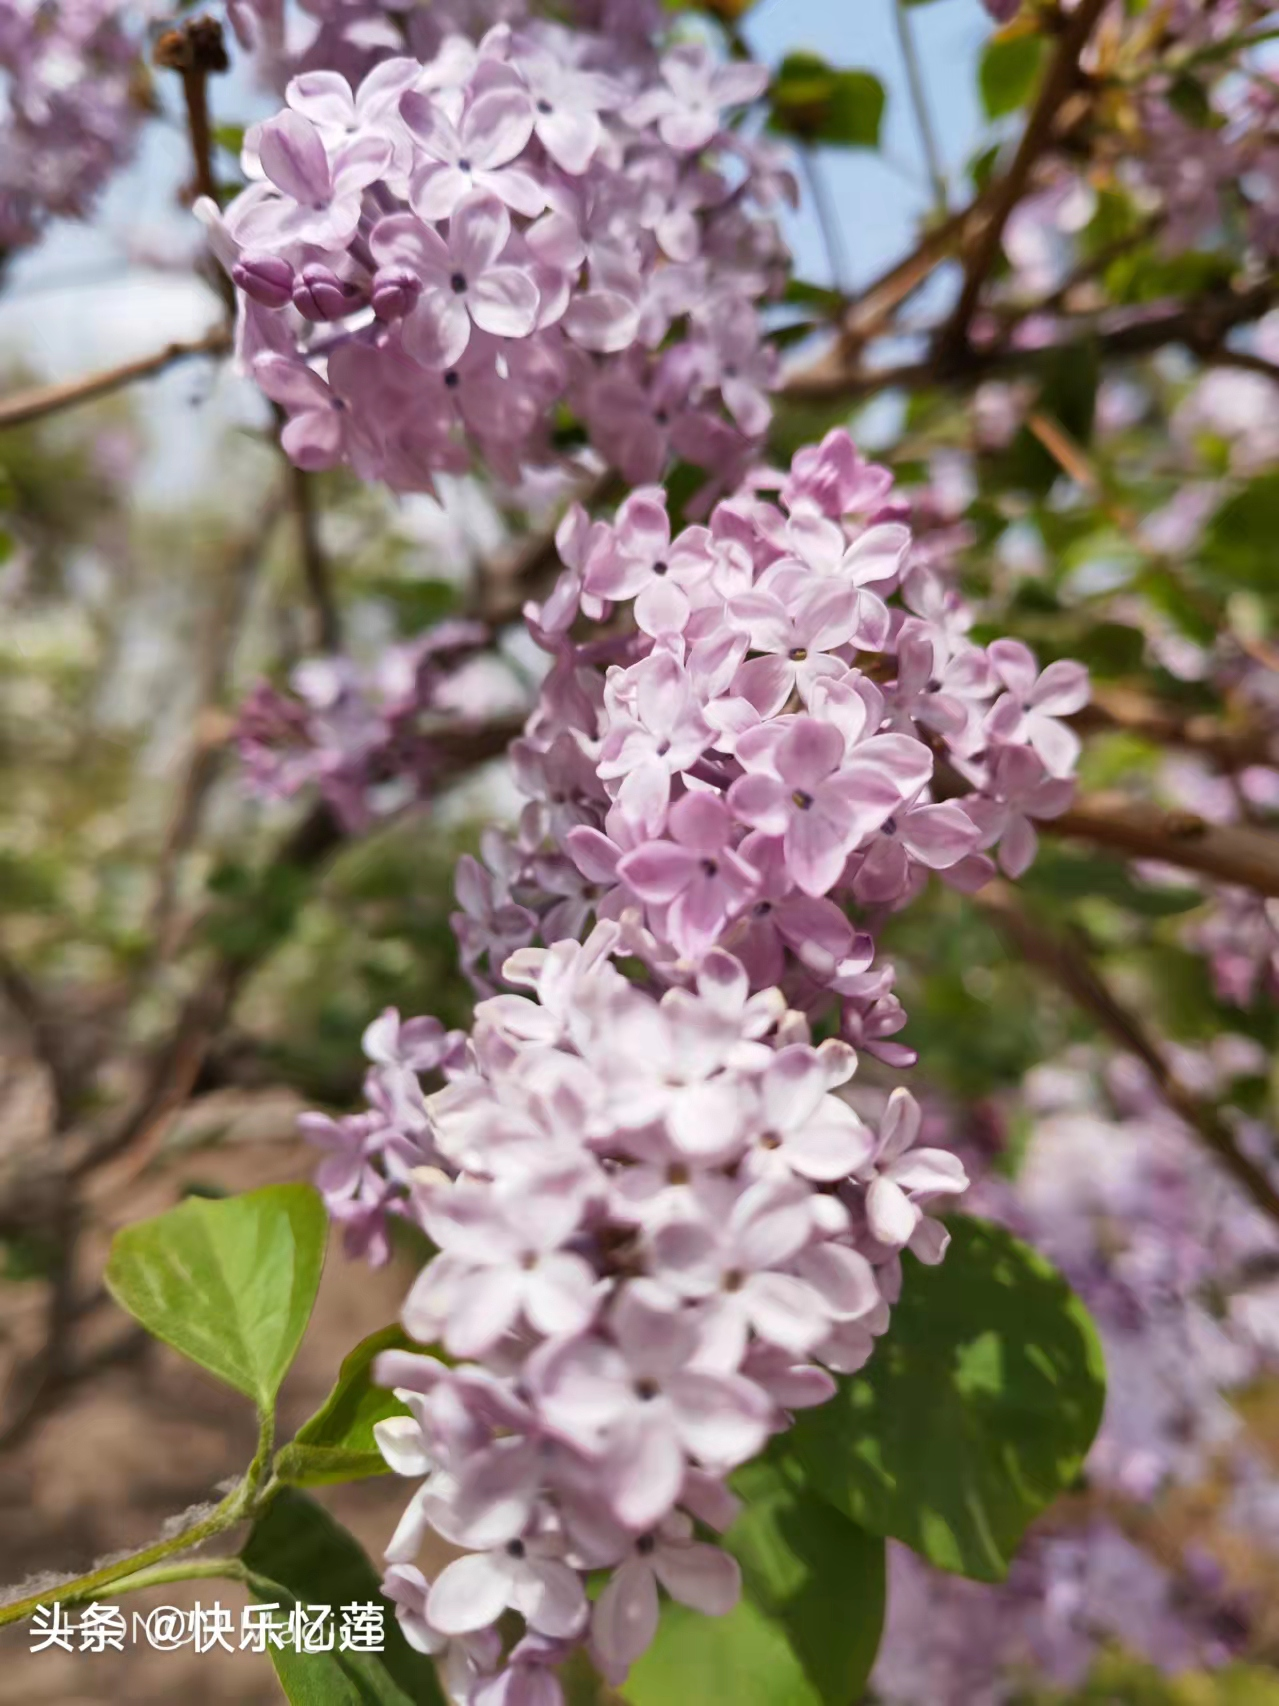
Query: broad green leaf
point(230, 1284)
point(337, 1443)
point(820, 103)
point(808, 1626)
point(298, 1545)
point(1009, 71)
point(976, 1410)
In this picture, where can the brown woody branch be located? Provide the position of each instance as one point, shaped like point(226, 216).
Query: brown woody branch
point(23, 407)
point(1116, 335)
point(1243, 857)
point(326, 622)
point(47, 1038)
point(1232, 746)
point(196, 50)
point(1059, 83)
point(176, 1068)
point(1070, 967)
point(504, 584)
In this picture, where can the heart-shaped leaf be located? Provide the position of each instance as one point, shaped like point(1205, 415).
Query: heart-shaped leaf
point(808, 1625)
point(976, 1410)
point(230, 1283)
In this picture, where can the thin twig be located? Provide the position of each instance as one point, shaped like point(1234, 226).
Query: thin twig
point(22, 407)
point(326, 622)
point(48, 1038)
point(1067, 963)
point(919, 104)
point(196, 50)
point(205, 756)
point(1059, 82)
point(828, 220)
point(1247, 361)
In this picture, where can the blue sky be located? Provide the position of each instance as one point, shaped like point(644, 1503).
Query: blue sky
point(879, 202)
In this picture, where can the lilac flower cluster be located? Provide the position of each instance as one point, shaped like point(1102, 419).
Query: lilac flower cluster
point(761, 749)
point(369, 741)
point(660, 1225)
point(455, 257)
point(69, 109)
point(658, 1229)
point(352, 36)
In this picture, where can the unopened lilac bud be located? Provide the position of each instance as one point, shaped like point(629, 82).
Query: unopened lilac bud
point(267, 279)
point(395, 292)
point(320, 294)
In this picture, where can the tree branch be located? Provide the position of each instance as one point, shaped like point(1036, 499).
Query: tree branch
point(326, 621)
point(1072, 970)
point(22, 407)
point(1118, 334)
point(1232, 746)
point(47, 1038)
point(1059, 82)
point(1245, 858)
point(196, 50)
point(205, 757)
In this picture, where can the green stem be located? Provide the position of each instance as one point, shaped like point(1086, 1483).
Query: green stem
point(261, 1457)
point(919, 102)
point(232, 1510)
point(194, 1569)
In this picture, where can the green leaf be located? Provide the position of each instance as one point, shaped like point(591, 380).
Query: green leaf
point(808, 1626)
point(298, 1545)
point(1009, 71)
point(1111, 649)
point(337, 1443)
point(230, 1284)
point(976, 1410)
point(827, 301)
point(1188, 97)
point(1239, 546)
point(819, 103)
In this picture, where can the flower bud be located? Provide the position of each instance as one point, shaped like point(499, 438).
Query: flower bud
point(320, 294)
point(267, 279)
point(395, 292)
